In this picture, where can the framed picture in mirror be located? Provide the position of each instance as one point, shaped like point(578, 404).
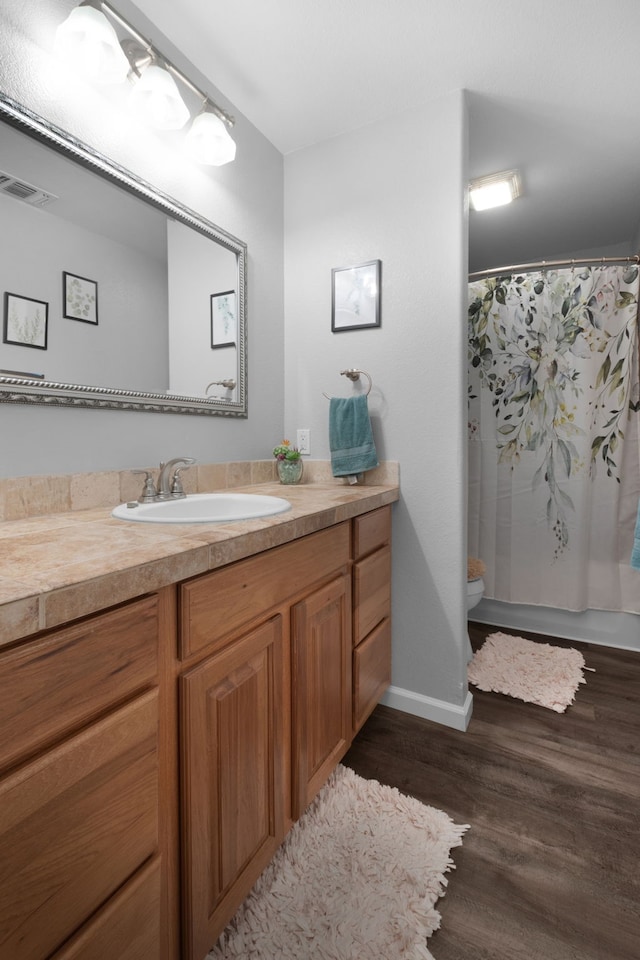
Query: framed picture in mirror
point(223, 319)
point(25, 321)
point(355, 296)
point(79, 298)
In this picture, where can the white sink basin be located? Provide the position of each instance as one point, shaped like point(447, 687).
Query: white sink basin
point(203, 508)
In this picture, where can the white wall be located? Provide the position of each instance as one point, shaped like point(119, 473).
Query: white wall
point(394, 191)
point(245, 198)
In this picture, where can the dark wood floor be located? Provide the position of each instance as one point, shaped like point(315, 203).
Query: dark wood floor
point(550, 869)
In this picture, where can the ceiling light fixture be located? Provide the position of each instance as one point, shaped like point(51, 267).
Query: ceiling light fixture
point(91, 42)
point(494, 190)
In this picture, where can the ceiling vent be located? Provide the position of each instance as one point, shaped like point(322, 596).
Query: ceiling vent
point(26, 192)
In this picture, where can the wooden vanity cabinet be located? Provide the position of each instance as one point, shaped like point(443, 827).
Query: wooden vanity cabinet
point(371, 611)
point(195, 725)
point(80, 815)
point(265, 713)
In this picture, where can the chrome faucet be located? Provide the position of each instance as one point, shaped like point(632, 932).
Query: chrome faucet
point(170, 488)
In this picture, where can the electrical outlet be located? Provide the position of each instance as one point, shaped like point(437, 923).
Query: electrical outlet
point(304, 441)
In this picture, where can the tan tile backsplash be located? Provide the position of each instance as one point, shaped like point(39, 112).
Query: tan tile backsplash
point(24, 497)
point(94, 490)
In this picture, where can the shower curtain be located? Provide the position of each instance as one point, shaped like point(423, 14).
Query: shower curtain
point(554, 436)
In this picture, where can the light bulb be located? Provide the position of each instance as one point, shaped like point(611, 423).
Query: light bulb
point(494, 190)
point(155, 99)
point(87, 40)
point(208, 140)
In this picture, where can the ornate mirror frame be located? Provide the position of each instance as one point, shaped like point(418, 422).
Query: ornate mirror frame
point(16, 389)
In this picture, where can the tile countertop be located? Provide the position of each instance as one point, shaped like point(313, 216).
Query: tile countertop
point(62, 566)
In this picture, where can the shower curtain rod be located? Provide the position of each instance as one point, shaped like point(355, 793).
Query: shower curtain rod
point(541, 264)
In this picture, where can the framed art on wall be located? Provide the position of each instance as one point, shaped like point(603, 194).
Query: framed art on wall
point(355, 296)
point(25, 321)
point(223, 319)
point(79, 298)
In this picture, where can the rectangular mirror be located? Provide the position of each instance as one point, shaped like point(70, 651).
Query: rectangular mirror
point(130, 277)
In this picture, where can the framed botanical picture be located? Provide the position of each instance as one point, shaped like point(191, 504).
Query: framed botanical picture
point(223, 319)
point(79, 298)
point(355, 296)
point(25, 321)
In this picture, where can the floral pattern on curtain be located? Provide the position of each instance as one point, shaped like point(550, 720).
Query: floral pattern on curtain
point(554, 427)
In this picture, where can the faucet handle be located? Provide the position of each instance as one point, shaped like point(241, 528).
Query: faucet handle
point(177, 490)
point(149, 491)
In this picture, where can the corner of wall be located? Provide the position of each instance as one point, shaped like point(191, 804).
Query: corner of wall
point(437, 711)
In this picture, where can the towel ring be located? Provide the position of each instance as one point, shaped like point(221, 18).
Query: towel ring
point(354, 374)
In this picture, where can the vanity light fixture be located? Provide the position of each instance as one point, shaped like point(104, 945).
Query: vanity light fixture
point(89, 40)
point(494, 190)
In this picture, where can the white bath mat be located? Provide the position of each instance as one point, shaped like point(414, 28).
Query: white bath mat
point(356, 879)
point(527, 670)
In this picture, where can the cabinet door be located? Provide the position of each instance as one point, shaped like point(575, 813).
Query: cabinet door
point(234, 762)
point(321, 688)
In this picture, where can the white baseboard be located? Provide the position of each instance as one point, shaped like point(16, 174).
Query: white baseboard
point(439, 711)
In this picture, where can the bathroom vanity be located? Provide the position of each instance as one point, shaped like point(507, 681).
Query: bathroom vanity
point(156, 750)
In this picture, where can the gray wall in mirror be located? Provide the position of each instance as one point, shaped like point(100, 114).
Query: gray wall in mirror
point(244, 198)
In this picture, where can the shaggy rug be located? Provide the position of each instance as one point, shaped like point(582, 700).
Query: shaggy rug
point(356, 878)
point(527, 670)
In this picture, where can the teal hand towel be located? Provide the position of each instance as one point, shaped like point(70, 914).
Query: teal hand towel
point(635, 553)
point(350, 436)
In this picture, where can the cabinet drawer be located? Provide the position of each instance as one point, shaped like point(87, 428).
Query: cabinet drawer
point(127, 928)
point(218, 603)
point(371, 592)
point(370, 531)
point(74, 826)
point(371, 672)
point(53, 685)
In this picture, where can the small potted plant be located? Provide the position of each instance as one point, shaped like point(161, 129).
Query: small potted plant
point(288, 462)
